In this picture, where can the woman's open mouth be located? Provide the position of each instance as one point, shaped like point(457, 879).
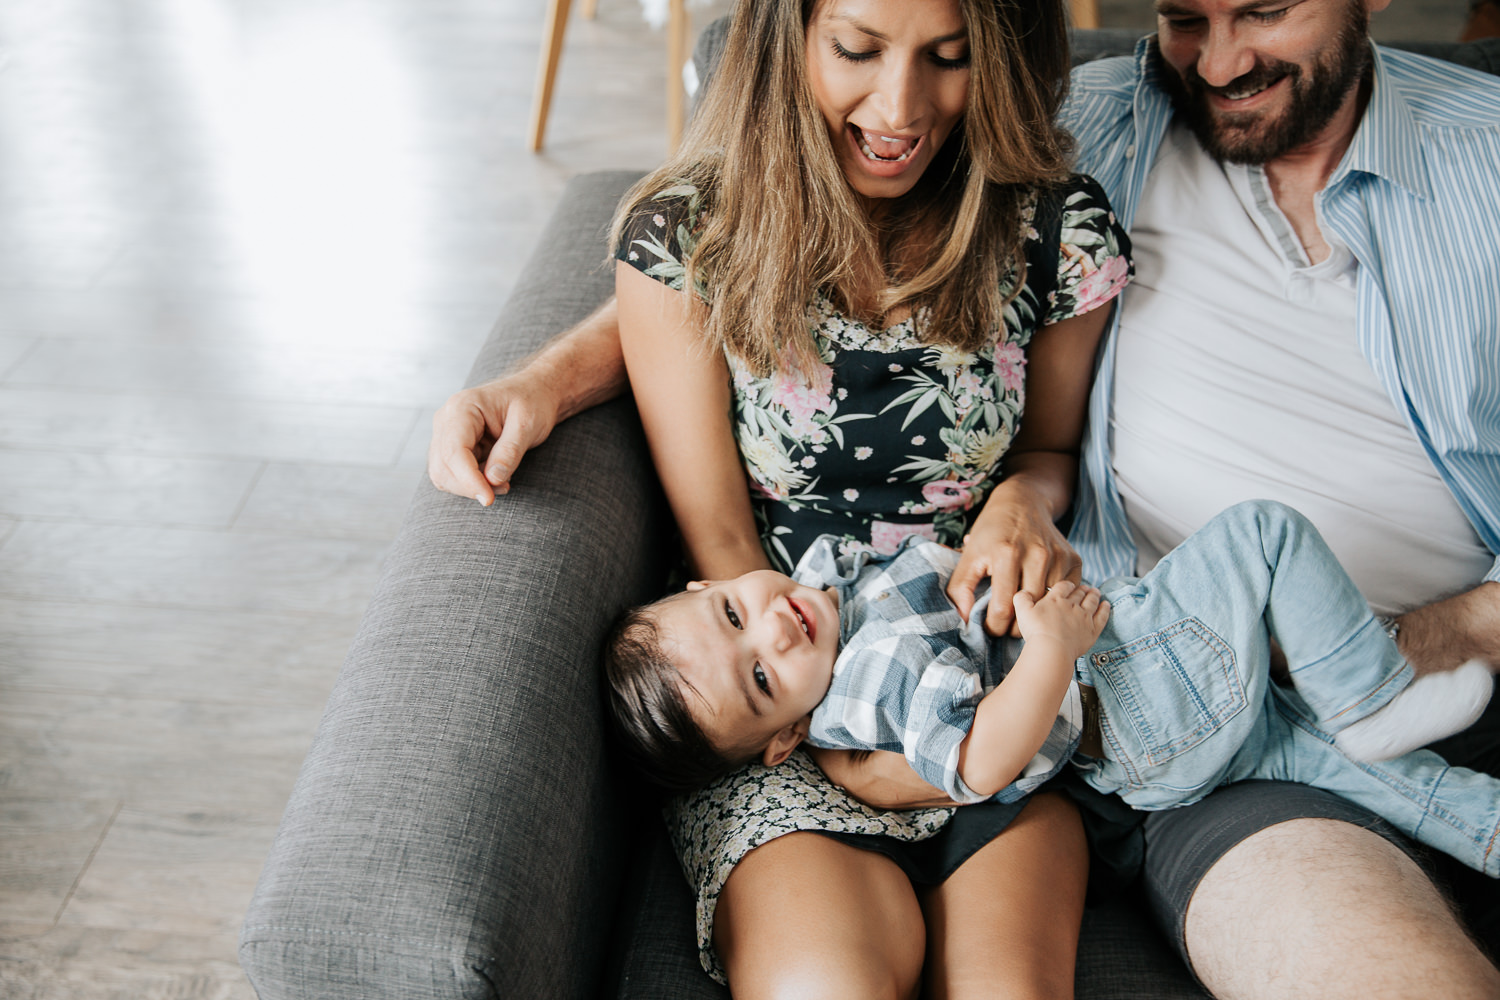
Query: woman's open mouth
point(891, 148)
point(886, 155)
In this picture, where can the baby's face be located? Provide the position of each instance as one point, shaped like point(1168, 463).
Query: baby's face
point(756, 652)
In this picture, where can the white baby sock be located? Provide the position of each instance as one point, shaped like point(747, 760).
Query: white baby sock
point(1432, 706)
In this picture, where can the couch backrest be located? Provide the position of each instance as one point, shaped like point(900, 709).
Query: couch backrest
point(1101, 43)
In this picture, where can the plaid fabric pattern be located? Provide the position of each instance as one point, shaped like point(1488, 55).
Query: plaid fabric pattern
point(910, 671)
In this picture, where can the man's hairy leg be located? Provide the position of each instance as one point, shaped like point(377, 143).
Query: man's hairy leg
point(1322, 908)
point(805, 917)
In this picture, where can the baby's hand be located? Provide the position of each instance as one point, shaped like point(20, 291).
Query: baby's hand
point(1069, 615)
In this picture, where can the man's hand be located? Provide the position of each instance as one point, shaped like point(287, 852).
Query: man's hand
point(880, 779)
point(494, 424)
point(1447, 633)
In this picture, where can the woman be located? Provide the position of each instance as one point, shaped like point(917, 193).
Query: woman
point(866, 255)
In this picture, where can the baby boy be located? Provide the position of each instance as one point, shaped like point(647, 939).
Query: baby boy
point(1157, 689)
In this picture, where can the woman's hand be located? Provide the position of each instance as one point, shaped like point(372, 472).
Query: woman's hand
point(1015, 541)
point(1016, 545)
point(880, 779)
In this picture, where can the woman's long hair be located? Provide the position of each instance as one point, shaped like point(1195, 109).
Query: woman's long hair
point(784, 223)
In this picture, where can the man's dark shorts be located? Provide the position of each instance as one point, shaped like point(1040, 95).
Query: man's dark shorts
point(1176, 848)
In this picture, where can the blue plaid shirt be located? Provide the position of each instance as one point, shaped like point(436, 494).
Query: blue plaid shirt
point(910, 672)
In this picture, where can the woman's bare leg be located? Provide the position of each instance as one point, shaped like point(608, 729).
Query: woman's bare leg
point(1006, 923)
point(807, 917)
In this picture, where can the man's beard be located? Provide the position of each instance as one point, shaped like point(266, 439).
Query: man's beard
point(1248, 136)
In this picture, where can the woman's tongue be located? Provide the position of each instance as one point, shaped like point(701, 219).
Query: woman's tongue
point(883, 147)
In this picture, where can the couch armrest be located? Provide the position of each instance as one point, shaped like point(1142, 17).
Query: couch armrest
point(456, 830)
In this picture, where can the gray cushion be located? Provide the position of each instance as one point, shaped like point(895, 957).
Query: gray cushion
point(456, 830)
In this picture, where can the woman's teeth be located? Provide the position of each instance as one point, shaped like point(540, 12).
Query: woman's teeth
point(871, 153)
point(892, 148)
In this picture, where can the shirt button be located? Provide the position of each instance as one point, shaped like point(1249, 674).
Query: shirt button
point(883, 595)
point(1130, 151)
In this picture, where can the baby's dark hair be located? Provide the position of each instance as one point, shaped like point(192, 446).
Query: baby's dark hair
point(649, 714)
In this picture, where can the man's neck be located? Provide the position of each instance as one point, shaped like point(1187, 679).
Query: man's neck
point(1298, 175)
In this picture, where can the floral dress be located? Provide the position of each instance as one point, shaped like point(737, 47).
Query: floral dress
point(888, 437)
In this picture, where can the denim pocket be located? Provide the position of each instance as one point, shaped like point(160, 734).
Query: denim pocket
point(1171, 690)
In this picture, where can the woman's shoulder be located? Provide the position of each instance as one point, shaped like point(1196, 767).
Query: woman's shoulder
point(1083, 253)
point(1072, 194)
point(660, 233)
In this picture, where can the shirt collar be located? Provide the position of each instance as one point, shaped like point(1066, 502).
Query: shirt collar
point(1388, 141)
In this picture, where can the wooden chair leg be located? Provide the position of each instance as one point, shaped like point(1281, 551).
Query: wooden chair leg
point(552, 42)
point(1085, 13)
point(589, 9)
point(678, 29)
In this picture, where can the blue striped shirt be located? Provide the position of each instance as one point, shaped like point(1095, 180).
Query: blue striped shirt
point(1417, 200)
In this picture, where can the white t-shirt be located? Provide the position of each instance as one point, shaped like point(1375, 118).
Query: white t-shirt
point(1241, 378)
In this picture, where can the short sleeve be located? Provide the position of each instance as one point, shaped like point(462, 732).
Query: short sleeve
point(659, 237)
point(1093, 261)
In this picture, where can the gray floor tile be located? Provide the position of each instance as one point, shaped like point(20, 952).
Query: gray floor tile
point(204, 860)
point(190, 568)
point(202, 425)
point(171, 315)
point(86, 963)
point(44, 846)
point(152, 750)
point(12, 350)
point(330, 501)
point(123, 488)
point(187, 654)
point(300, 372)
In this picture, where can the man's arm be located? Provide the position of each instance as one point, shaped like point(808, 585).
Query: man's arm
point(1447, 633)
point(498, 422)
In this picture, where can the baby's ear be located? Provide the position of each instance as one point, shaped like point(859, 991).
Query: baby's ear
point(784, 742)
point(695, 585)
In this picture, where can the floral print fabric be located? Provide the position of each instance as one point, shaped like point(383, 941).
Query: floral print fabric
point(889, 437)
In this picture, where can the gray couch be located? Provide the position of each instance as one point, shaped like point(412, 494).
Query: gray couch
point(459, 828)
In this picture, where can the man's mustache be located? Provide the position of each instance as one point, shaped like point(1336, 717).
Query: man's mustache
point(1259, 78)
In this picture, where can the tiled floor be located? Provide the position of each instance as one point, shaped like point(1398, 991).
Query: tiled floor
point(246, 246)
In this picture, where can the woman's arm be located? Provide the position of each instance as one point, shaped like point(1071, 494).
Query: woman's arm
point(1014, 540)
point(498, 422)
point(683, 394)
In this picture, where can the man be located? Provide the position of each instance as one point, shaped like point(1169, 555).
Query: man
point(1299, 330)
point(1316, 318)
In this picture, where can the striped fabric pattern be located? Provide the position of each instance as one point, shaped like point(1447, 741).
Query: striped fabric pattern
point(1417, 200)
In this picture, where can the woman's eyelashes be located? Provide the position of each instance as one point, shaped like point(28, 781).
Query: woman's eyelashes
point(937, 59)
point(761, 681)
point(844, 53)
point(734, 619)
